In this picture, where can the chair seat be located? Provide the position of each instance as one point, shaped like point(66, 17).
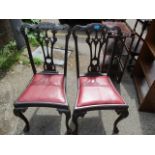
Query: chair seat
point(97, 90)
point(44, 88)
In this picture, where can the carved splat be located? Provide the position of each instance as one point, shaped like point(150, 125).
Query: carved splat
point(97, 36)
point(45, 34)
point(98, 43)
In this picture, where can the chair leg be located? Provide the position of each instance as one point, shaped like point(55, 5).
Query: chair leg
point(76, 115)
point(68, 115)
point(122, 114)
point(75, 121)
point(19, 113)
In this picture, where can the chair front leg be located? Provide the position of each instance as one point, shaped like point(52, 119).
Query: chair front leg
point(68, 115)
point(76, 115)
point(19, 113)
point(122, 114)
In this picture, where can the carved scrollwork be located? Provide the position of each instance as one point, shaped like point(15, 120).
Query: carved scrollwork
point(97, 36)
point(45, 26)
point(45, 34)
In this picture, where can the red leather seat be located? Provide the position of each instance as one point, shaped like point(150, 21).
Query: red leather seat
point(97, 90)
point(44, 88)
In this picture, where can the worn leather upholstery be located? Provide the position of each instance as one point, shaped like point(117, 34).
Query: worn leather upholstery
point(44, 88)
point(98, 90)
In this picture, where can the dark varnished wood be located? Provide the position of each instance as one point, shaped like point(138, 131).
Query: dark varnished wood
point(97, 35)
point(144, 72)
point(46, 35)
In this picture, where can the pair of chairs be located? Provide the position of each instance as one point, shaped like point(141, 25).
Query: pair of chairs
point(95, 89)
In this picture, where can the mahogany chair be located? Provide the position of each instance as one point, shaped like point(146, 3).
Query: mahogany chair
point(48, 87)
point(95, 89)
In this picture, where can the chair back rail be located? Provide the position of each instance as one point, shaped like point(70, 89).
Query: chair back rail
point(97, 39)
point(46, 35)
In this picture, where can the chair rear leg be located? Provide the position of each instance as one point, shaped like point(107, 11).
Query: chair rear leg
point(122, 114)
point(68, 116)
point(75, 121)
point(76, 115)
point(19, 113)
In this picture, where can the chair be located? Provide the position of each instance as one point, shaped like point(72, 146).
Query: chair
point(95, 89)
point(48, 87)
point(123, 45)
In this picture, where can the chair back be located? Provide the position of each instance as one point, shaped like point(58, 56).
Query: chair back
point(47, 35)
point(97, 38)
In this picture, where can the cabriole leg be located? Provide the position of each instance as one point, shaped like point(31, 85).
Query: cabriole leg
point(122, 114)
point(19, 113)
point(68, 115)
point(76, 115)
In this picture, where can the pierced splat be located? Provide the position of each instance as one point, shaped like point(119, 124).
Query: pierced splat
point(95, 43)
point(46, 36)
point(47, 44)
point(97, 38)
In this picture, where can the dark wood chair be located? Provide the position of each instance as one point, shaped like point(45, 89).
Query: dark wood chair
point(124, 47)
point(95, 88)
point(48, 87)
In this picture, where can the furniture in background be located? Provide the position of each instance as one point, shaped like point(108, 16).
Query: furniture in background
point(95, 89)
point(144, 72)
point(47, 88)
point(123, 48)
point(138, 40)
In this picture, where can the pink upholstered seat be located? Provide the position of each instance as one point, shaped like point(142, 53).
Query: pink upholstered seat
point(44, 88)
point(97, 90)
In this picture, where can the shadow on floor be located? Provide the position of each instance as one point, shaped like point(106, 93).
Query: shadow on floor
point(2, 74)
point(147, 121)
point(45, 125)
point(91, 126)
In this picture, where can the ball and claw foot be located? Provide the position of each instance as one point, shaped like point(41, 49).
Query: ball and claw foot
point(115, 130)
